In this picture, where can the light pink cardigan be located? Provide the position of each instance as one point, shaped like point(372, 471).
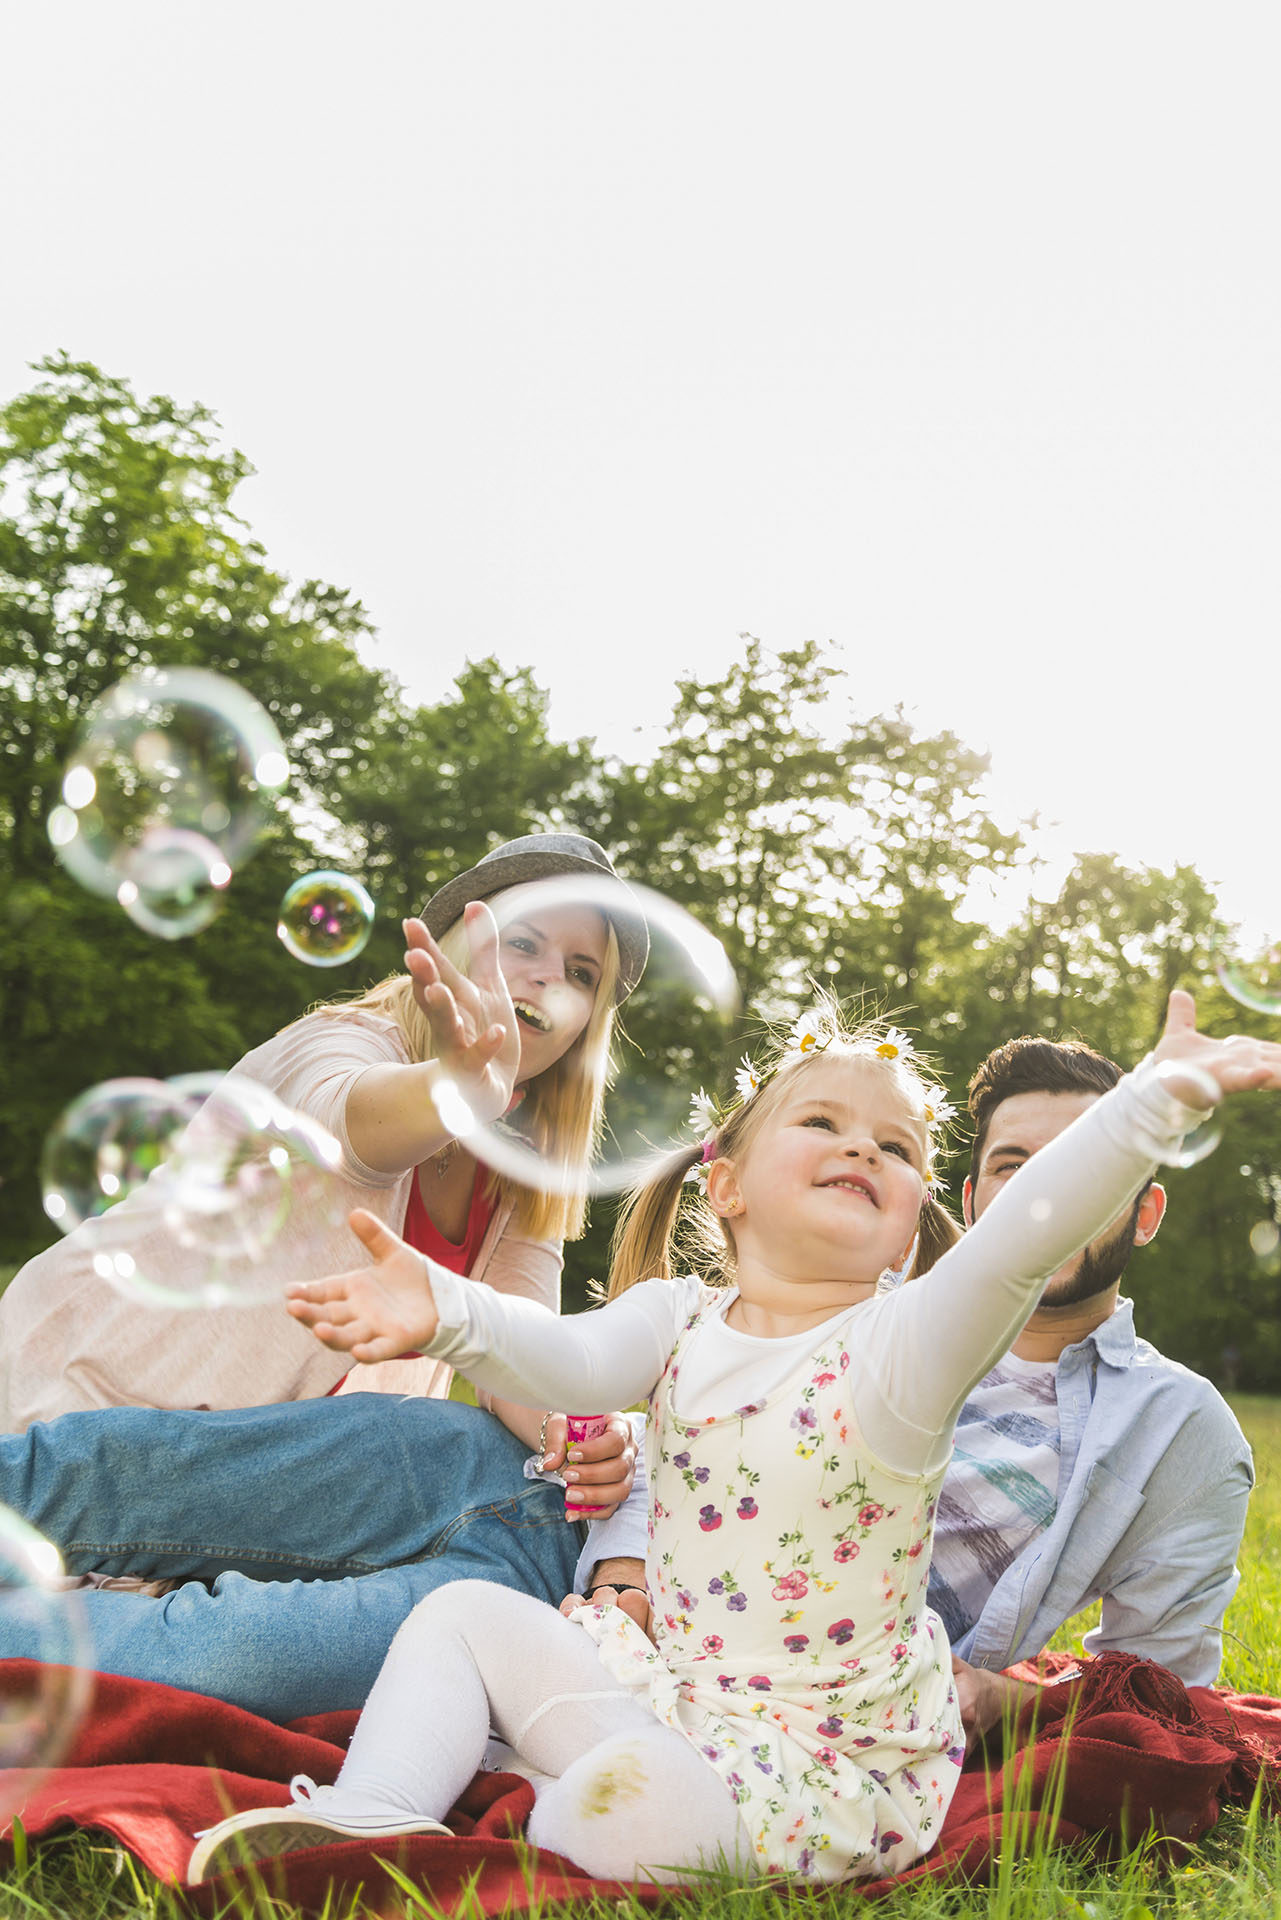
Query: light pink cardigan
point(69, 1340)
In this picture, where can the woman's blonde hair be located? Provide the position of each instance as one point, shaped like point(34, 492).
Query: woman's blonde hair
point(562, 1113)
point(670, 1214)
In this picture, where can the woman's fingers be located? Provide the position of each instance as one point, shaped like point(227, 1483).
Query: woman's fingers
point(605, 1467)
point(482, 940)
point(554, 1441)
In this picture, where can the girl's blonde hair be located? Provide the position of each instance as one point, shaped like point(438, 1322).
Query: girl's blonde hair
point(562, 1113)
point(654, 1225)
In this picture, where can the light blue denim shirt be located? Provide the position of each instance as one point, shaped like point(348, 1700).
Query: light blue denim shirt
point(1154, 1481)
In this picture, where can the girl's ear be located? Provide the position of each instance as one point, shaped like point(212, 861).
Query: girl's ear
point(722, 1188)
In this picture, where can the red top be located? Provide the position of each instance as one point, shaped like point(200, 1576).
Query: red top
point(426, 1238)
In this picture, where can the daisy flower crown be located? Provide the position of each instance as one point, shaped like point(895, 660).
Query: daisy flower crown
point(814, 1032)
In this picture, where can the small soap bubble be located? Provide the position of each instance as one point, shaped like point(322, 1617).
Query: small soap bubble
point(173, 882)
point(1250, 970)
point(166, 753)
point(1265, 1239)
point(326, 918)
point(1193, 1087)
point(41, 1621)
point(107, 1144)
point(674, 1030)
point(1196, 1146)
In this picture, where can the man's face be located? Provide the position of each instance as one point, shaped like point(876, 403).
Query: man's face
point(1020, 1127)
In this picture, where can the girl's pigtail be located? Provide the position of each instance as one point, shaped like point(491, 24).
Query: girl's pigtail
point(936, 1232)
point(642, 1245)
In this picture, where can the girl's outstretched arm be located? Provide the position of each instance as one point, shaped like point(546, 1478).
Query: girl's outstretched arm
point(373, 1312)
point(403, 1302)
point(940, 1334)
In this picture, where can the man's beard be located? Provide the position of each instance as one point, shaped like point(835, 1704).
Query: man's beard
point(1098, 1269)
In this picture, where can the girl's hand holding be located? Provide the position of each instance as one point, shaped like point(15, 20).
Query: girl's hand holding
point(374, 1312)
point(472, 1019)
point(1199, 1070)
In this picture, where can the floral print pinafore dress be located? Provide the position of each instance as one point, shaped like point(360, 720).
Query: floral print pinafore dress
point(787, 1570)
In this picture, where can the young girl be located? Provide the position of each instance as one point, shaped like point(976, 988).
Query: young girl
point(796, 1713)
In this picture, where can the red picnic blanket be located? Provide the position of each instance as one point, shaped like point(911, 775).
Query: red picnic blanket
point(1107, 1754)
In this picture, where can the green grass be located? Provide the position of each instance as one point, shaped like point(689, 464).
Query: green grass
point(1234, 1874)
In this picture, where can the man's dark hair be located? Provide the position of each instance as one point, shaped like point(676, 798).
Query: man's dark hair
point(1028, 1065)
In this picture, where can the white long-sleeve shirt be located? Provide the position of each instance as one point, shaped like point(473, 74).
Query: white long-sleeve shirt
point(920, 1349)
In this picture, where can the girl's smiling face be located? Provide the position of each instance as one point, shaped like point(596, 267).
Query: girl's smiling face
point(552, 960)
point(830, 1185)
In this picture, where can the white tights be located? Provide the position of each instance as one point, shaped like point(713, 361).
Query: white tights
point(621, 1794)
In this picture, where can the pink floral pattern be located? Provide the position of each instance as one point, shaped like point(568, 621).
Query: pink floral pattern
point(787, 1569)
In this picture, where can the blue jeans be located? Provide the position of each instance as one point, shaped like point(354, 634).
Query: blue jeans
point(320, 1524)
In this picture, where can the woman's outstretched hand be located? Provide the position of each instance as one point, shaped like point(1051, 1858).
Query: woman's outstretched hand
point(472, 1018)
point(374, 1312)
point(1199, 1070)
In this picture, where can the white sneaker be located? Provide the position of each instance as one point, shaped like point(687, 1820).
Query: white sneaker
point(264, 1833)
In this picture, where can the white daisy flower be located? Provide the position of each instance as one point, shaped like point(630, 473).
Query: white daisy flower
point(747, 1080)
point(702, 1115)
point(938, 1108)
point(934, 1186)
point(807, 1034)
point(894, 1044)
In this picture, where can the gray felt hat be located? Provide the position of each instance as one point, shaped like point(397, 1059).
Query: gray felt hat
point(541, 856)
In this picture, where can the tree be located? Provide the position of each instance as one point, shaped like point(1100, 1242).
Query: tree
point(119, 548)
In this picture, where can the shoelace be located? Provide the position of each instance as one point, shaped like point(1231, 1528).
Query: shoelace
point(303, 1789)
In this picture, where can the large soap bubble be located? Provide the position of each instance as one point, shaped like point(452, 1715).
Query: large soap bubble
point(167, 785)
point(41, 1620)
point(326, 918)
point(1249, 968)
point(204, 1231)
point(674, 1032)
point(106, 1144)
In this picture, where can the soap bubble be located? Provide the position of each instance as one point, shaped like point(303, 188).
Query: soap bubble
point(204, 1232)
point(182, 1188)
point(326, 918)
point(1194, 1087)
point(1265, 1239)
point(41, 1706)
point(674, 1033)
point(173, 882)
point(1249, 968)
point(168, 751)
point(106, 1144)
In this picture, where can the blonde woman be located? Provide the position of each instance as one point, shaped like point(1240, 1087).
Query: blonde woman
point(319, 1491)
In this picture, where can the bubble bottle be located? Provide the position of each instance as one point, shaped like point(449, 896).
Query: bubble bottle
point(578, 1427)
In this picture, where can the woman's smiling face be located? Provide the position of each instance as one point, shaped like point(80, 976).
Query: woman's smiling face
point(552, 960)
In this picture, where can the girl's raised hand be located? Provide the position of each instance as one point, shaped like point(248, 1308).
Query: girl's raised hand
point(1199, 1070)
point(374, 1312)
point(472, 1019)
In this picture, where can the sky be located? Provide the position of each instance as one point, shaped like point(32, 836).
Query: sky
point(595, 336)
